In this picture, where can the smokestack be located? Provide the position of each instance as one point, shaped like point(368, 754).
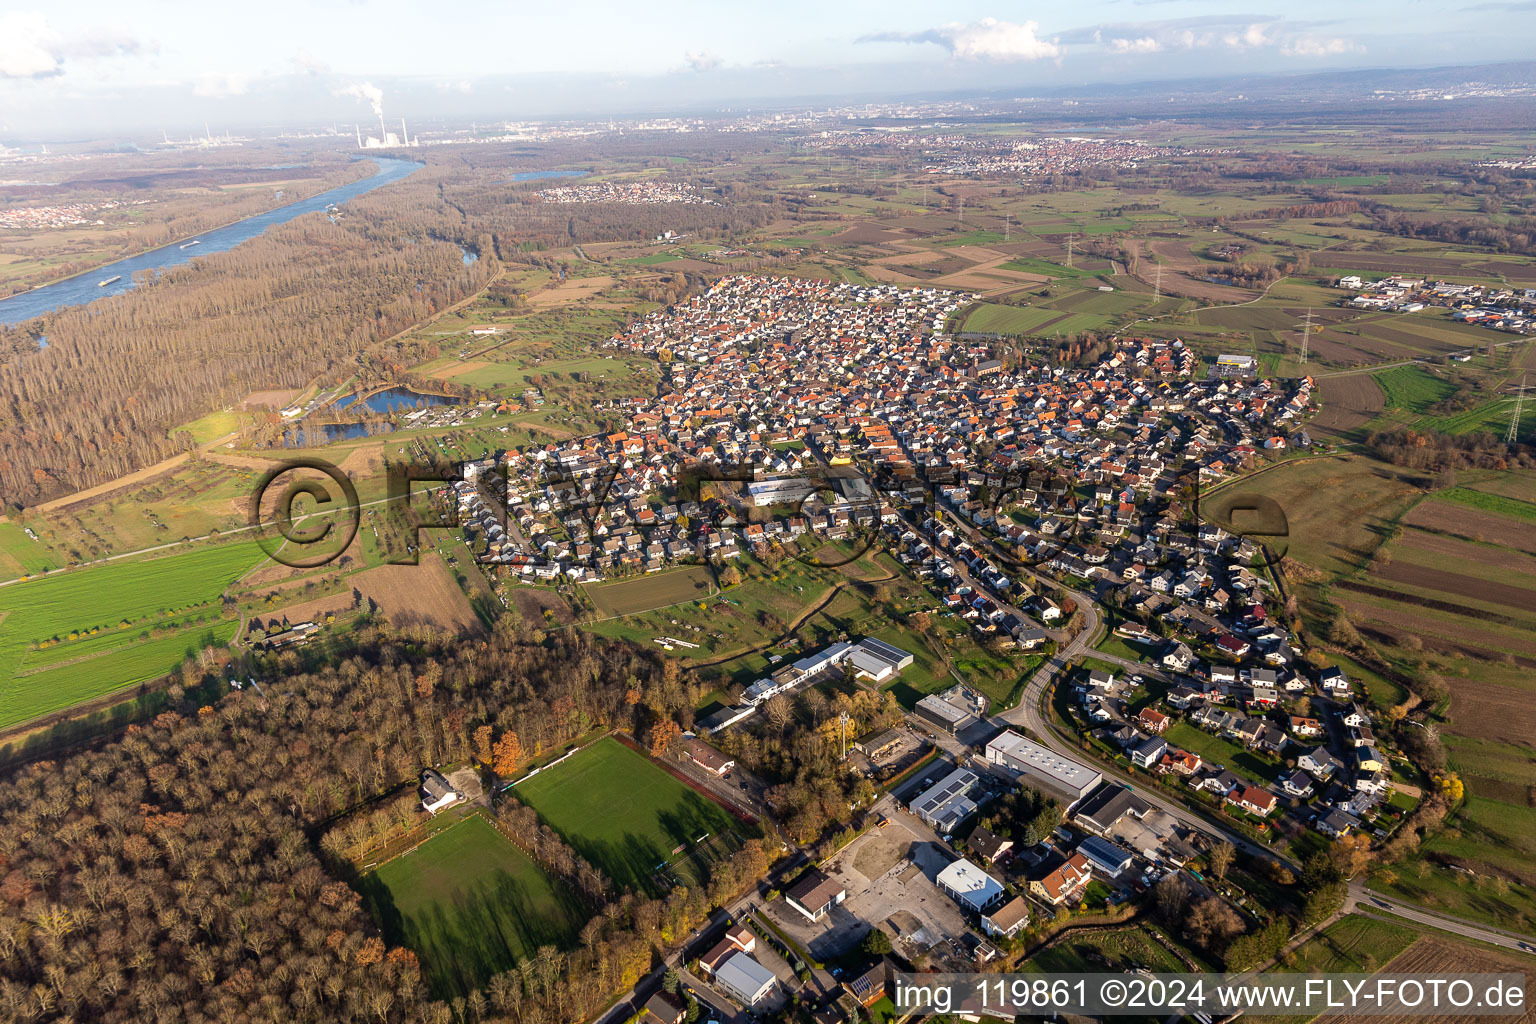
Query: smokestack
point(359, 136)
point(383, 132)
point(405, 140)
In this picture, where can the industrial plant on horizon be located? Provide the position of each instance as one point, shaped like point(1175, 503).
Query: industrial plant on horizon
point(386, 139)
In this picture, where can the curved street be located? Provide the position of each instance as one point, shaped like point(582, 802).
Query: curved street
point(1027, 715)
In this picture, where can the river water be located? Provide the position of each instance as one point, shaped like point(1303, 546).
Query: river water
point(77, 291)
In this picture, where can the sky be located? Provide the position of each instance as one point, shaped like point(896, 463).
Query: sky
point(90, 66)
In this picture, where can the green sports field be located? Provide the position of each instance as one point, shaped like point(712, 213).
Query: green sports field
point(471, 905)
point(626, 815)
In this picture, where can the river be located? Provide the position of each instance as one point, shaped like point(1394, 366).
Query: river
point(77, 291)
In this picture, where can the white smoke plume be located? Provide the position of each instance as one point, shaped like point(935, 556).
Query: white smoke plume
point(366, 91)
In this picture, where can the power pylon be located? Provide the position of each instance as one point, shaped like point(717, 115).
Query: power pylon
point(1157, 284)
point(842, 731)
point(1306, 335)
point(1070, 240)
point(1513, 436)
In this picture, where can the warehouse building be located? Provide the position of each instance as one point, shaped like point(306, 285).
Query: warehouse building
point(1106, 857)
point(878, 660)
point(745, 980)
point(947, 803)
point(1043, 769)
point(969, 886)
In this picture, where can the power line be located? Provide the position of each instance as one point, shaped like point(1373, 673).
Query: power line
point(1513, 437)
point(1306, 335)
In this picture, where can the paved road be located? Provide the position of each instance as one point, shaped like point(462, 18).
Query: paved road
point(1027, 715)
point(1377, 904)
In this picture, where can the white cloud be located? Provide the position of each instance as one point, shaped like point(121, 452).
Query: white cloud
point(1250, 38)
point(32, 48)
point(987, 39)
point(1310, 46)
point(1239, 32)
point(220, 85)
point(702, 61)
point(990, 39)
point(306, 63)
point(1140, 44)
point(28, 47)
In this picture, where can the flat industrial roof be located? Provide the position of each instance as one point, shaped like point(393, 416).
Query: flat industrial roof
point(1032, 756)
point(967, 880)
point(955, 783)
point(943, 708)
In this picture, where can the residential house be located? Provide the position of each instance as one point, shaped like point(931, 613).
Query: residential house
point(1254, 800)
point(1008, 919)
point(1064, 884)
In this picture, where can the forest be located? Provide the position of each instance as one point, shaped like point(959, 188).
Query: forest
point(179, 873)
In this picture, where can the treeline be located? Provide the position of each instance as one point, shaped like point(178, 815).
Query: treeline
point(1330, 208)
point(167, 876)
point(1516, 235)
point(1434, 452)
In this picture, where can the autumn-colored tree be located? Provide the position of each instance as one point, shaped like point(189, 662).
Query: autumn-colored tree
point(483, 744)
point(1351, 855)
point(663, 734)
point(371, 952)
point(508, 754)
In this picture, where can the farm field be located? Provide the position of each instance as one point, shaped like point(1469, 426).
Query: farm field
point(419, 595)
point(1437, 954)
point(991, 318)
point(470, 904)
point(67, 615)
point(628, 817)
point(1336, 507)
point(656, 590)
point(1349, 402)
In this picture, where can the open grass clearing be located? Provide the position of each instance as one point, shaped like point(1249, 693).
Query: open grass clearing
point(632, 820)
point(471, 905)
